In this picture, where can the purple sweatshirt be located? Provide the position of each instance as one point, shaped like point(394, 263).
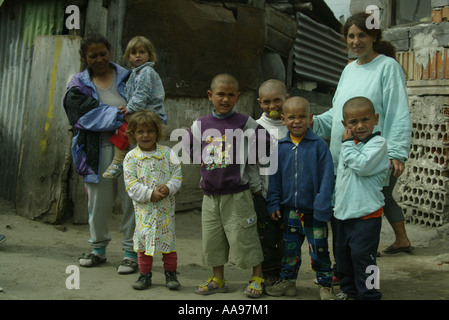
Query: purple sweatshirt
point(224, 146)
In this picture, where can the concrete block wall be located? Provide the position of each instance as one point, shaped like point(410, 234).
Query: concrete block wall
point(423, 51)
point(423, 189)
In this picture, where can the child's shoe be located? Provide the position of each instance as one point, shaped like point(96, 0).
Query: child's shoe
point(113, 171)
point(282, 288)
point(171, 280)
point(255, 287)
point(326, 293)
point(269, 281)
point(143, 282)
point(343, 296)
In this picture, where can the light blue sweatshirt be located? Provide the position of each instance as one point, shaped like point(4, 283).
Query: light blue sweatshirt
point(363, 170)
point(383, 82)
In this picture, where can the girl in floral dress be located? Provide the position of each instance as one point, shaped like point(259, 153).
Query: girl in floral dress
point(152, 175)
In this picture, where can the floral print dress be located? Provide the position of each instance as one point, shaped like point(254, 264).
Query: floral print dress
point(155, 221)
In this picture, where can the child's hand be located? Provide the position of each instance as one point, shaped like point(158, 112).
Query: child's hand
point(276, 215)
point(163, 189)
point(122, 109)
point(159, 193)
point(126, 114)
point(347, 134)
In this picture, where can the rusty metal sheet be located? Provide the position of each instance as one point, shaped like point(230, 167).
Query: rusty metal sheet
point(20, 22)
point(45, 159)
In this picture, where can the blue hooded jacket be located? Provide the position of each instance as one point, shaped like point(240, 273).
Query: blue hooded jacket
point(305, 177)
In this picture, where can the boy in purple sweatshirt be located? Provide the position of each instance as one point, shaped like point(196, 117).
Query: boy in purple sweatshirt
point(224, 142)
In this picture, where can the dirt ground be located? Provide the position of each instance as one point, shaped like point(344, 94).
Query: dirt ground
point(35, 256)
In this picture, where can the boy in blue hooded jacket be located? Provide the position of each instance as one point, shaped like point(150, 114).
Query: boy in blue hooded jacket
point(300, 193)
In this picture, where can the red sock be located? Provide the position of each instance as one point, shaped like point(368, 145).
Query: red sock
point(170, 261)
point(145, 262)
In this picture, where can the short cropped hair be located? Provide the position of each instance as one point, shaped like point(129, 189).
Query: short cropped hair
point(224, 78)
point(357, 102)
point(273, 83)
point(293, 101)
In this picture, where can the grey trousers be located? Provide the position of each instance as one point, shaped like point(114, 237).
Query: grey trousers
point(101, 197)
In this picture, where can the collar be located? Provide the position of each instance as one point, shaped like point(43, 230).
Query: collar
point(308, 136)
point(222, 116)
point(146, 64)
point(121, 72)
point(364, 141)
point(159, 154)
point(274, 122)
point(372, 135)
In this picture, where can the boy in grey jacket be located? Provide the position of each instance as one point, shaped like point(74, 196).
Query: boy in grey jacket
point(362, 173)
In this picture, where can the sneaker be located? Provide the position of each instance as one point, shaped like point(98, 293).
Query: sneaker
point(270, 280)
point(91, 260)
point(282, 288)
point(326, 293)
point(343, 296)
point(113, 171)
point(171, 280)
point(143, 282)
point(127, 266)
point(2, 238)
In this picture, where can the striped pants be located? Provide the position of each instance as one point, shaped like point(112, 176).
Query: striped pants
point(298, 227)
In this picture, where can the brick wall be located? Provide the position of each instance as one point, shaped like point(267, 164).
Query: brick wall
point(437, 67)
point(440, 14)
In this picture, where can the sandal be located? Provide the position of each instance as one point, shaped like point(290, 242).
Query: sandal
point(208, 287)
point(392, 249)
point(91, 260)
point(255, 284)
point(127, 266)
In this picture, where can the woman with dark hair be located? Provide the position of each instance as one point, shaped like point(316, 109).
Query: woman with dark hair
point(380, 46)
point(91, 104)
point(376, 75)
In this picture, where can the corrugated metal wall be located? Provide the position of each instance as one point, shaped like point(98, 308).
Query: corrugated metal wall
point(20, 22)
point(318, 54)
